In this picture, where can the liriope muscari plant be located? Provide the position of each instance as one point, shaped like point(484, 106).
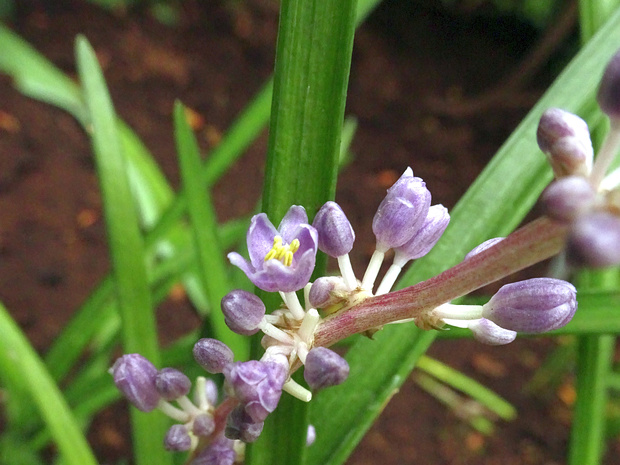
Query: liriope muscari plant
point(583, 208)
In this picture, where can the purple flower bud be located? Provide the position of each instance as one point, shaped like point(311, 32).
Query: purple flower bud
point(426, 237)
point(565, 139)
point(212, 355)
point(401, 212)
point(485, 245)
point(336, 234)
point(239, 425)
point(177, 439)
point(204, 425)
point(135, 376)
point(324, 368)
point(594, 241)
point(324, 291)
point(257, 385)
point(608, 96)
point(172, 384)
point(243, 312)
point(219, 452)
point(487, 332)
point(532, 306)
point(568, 197)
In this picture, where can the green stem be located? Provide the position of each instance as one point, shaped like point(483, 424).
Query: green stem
point(594, 358)
point(313, 58)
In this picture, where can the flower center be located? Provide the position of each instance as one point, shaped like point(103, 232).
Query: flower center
point(283, 252)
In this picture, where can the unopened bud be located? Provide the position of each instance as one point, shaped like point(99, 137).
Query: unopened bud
point(594, 241)
point(172, 384)
point(565, 139)
point(401, 212)
point(204, 425)
point(336, 235)
point(325, 291)
point(426, 237)
point(567, 198)
point(135, 377)
point(324, 368)
point(532, 306)
point(219, 452)
point(608, 96)
point(212, 355)
point(177, 439)
point(243, 311)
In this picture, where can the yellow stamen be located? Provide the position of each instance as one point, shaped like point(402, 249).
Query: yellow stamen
point(281, 252)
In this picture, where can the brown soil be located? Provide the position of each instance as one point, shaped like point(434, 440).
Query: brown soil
point(407, 58)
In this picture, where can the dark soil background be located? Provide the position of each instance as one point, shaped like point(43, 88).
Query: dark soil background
point(418, 73)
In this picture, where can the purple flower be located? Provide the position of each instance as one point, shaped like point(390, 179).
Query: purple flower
point(532, 306)
point(282, 259)
point(135, 377)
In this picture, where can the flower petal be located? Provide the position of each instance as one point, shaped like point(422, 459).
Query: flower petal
point(308, 240)
point(288, 228)
point(260, 239)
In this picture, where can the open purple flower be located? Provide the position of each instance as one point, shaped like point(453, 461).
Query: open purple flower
point(280, 259)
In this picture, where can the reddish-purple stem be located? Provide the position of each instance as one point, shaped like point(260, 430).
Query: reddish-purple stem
point(531, 244)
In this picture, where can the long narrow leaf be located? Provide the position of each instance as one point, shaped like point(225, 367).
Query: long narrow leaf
point(18, 360)
point(313, 58)
point(126, 245)
point(213, 269)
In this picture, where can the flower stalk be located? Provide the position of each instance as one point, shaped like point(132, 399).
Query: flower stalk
point(530, 244)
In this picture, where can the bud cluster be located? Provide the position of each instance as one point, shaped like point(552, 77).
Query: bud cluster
point(584, 195)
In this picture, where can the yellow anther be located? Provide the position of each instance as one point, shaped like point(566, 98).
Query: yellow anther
point(281, 252)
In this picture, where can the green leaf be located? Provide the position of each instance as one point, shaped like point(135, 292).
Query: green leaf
point(469, 386)
point(125, 242)
point(20, 362)
point(36, 77)
point(213, 269)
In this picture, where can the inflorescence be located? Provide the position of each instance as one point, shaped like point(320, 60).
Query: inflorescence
point(215, 426)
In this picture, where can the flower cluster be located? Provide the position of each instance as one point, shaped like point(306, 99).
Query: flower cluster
point(282, 260)
point(584, 195)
